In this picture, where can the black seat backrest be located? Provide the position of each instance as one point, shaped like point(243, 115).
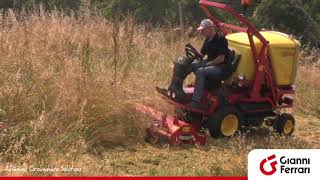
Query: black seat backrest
point(233, 61)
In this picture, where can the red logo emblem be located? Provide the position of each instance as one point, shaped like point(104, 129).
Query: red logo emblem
point(272, 164)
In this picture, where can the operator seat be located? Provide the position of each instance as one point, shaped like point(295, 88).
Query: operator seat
point(232, 63)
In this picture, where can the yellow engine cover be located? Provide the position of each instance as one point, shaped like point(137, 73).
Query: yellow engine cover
point(283, 52)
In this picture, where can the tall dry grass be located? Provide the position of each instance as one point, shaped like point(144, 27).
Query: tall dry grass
point(68, 84)
point(308, 82)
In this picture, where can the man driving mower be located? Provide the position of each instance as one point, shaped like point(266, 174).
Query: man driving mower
point(215, 48)
point(211, 63)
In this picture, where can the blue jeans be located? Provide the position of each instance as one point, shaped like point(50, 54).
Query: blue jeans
point(202, 72)
point(197, 65)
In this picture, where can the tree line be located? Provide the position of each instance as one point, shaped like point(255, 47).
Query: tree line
point(297, 17)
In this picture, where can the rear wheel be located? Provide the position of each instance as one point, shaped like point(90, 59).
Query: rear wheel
point(285, 124)
point(225, 122)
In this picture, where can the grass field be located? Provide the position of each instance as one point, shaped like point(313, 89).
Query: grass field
point(67, 92)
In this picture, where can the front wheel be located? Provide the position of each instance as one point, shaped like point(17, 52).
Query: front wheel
point(225, 122)
point(285, 124)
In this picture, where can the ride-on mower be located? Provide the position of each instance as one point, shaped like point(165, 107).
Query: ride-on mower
point(260, 85)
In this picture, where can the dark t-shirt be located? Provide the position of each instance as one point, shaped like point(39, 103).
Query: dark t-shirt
point(217, 46)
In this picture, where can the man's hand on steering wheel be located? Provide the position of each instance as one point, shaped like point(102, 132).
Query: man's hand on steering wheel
point(192, 52)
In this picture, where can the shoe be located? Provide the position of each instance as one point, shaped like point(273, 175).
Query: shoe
point(162, 91)
point(196, 105)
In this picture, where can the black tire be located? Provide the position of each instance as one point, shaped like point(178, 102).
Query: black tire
point(285, 124)
point(218, 121)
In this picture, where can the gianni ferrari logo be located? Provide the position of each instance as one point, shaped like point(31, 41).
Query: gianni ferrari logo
point(276, 164)
point(271, 160)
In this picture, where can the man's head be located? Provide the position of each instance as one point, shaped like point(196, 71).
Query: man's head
point(206, 28)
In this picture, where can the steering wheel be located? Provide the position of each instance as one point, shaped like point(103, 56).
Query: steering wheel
point(192, 52)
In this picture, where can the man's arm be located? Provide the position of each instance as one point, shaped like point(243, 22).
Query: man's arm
point(217, 61)
point(203, 50)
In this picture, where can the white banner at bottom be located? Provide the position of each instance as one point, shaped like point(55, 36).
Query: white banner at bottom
point(282, 164)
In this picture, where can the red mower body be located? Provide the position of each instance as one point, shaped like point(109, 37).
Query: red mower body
point(258, 98)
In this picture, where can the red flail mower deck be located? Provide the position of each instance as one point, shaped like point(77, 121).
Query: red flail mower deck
point(178, 132)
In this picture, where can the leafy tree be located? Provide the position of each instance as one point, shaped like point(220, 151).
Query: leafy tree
point(297, 17)
point(32, 4)
point(145, 10)
point(6, 4)
point(290, 16)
